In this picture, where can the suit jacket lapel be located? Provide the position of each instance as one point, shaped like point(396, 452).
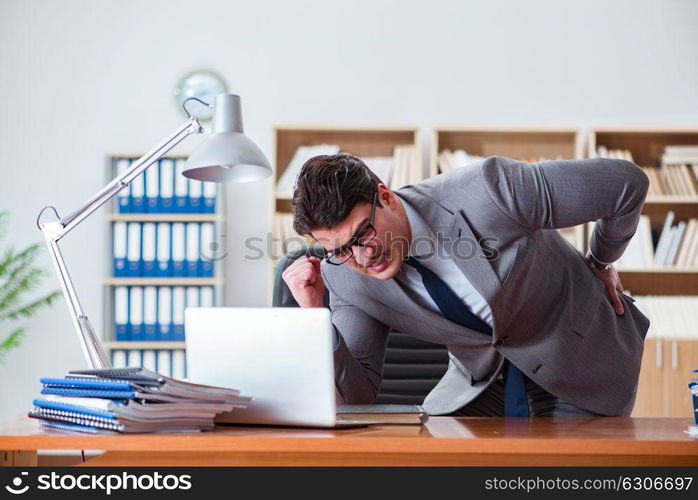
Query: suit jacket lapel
point(454, 232)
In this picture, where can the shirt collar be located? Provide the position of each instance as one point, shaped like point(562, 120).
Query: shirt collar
point(422, 243)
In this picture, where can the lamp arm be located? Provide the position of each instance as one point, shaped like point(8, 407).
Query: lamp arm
point(53, 231)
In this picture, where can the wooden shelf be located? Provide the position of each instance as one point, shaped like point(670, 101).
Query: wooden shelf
point(660, 281)
point(163, 281)
point(164, 217)
point(645, 143)
point(359, 140)
point(513, 142)
point(144, 345)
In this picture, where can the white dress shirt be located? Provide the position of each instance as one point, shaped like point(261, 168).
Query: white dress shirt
point(422, 245)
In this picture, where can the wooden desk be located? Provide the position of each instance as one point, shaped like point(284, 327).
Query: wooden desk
point(442, 441)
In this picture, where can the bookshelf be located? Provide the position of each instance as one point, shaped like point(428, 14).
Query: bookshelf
point(362, 141)
point(647, 146)
point(670, 354)
point(161, 351)
point(524, 143)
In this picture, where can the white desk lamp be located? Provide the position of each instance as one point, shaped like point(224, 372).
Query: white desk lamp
point(227, 155)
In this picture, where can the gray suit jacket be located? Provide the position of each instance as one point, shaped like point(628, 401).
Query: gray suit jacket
point(552, 315)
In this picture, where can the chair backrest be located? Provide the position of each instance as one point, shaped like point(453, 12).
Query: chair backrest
point(412, 366)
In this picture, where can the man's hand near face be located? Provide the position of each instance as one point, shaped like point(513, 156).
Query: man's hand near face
point(304, 279)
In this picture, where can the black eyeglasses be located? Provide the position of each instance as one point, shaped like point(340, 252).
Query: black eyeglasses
point(362, 237)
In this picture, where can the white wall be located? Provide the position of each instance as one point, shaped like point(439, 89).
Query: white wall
point(79, 79)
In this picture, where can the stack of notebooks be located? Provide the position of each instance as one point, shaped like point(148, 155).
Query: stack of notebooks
point(130, 400)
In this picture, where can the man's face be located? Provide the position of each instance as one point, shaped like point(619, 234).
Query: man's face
point(382, 256)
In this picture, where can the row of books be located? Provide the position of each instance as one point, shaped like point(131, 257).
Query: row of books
point(403, 167)
point(677, 245)
point(287, 181)
point(156, 313)
point(675, 175)
point(128, 401)
point(680, 165)
point(449, 160)
point(285, 238)
point(163, 189)
point(167, 362)
point(163, 249)
point(671, 317)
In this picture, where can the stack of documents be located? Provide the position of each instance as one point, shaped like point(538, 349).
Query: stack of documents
point(130, 400)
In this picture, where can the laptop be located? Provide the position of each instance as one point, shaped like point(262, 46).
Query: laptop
point(282, 357)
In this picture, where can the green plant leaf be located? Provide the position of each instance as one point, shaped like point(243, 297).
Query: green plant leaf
point(30, 309)
point(12, 341)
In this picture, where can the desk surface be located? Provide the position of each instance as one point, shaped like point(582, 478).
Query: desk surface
point(442, 440)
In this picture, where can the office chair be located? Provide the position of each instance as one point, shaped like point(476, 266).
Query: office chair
point(412, 366)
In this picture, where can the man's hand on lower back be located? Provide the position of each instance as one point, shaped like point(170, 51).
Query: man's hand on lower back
point(611, 281)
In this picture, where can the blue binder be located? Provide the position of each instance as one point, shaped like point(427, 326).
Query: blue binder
point(150, 314)
point(134, 250)
point(121, 313)
point(124, 198)
point(166, 185)
point(136, 314)
point(152, 189)
point(163, 264)
point(209, 198)
point(120, 249)
point(149, 249)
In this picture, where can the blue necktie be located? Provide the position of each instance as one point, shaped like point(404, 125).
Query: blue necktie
point(453, 309)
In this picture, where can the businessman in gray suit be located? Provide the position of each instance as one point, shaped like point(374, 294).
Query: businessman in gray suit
point(472, 260)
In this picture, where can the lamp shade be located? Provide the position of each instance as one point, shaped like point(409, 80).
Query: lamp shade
point(227, 155)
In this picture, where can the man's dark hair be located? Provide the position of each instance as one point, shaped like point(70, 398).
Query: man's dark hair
point(328, 188)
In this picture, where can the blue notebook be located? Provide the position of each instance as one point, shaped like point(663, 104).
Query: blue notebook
point(87, 383)
point(89, 393)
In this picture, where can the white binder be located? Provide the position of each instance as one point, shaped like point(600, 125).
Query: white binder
point(137, 194)
point(121, 313)
point(124, 196)
point(120, 247)
point(195, 192)
point(207, 252)
point(152, 189)
point(136, 313)
point(165, 313)
point(178, 305)
point(181, 188)
point(207, 297)
point(149, 360)
point(192, 296)
point(178, 249)
point(164, 363)
point(134, 249)
point(149, 249)
point(134, 358)
point(179, 369)
point(118, 358)
point(209, 192)
point(193, 249)
point(163, 251)
point(150, 313)
point(167, 185)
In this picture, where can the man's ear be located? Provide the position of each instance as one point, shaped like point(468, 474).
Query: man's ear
point(386, 196)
